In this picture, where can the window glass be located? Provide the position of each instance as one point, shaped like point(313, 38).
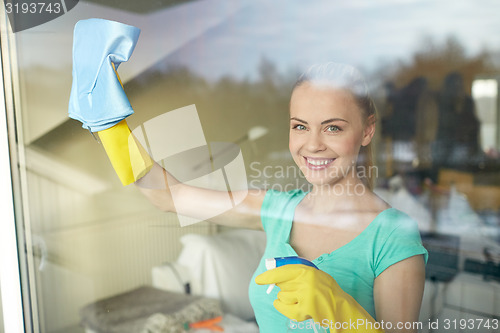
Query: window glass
point(432, 70)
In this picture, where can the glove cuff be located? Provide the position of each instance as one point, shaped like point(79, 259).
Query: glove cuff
point(129, 159)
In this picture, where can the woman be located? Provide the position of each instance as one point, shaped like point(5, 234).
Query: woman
point(370, 258)
point(372, 251)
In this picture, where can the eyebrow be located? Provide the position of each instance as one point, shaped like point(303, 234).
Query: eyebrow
point(323, 122)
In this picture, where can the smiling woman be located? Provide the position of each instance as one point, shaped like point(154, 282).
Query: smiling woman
point(78, 236)
point(335, 99)
point(361, 245)
point(369, 255)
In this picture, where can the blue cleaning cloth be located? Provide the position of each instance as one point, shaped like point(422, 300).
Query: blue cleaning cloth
point(97, 98)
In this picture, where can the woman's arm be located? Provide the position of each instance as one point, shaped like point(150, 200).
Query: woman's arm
point(398, 292)
point(98, 101)
point(160, 187)
point(133, 165)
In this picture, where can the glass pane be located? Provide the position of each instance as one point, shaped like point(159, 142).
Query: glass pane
point(432, 71)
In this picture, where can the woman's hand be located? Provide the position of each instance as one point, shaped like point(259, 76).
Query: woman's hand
point(97, 98)
point(307, 292)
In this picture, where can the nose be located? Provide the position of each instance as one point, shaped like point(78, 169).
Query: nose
point(315, 142)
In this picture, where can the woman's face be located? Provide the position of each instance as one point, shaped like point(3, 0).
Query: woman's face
point(326, 133)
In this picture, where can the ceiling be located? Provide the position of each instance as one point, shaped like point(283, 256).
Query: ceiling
point(140, 7)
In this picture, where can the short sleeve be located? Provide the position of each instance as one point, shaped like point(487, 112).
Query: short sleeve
point(279, 206)
point(402, 242)
point(266, 212)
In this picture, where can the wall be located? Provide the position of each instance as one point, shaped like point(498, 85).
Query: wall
point(89, 247)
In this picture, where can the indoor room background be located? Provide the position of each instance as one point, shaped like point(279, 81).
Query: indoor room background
point(433, 69)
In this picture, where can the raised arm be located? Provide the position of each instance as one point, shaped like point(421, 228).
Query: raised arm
point(198, 202)
point(100, 103)
point(132, 164)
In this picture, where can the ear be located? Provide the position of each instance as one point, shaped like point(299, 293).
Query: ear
point(369, 131)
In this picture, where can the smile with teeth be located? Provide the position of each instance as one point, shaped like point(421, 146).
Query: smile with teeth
point(318, 163)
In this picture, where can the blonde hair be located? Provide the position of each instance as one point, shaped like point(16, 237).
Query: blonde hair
point(341, 76)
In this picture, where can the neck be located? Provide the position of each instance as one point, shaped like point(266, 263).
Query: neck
point(346, 194)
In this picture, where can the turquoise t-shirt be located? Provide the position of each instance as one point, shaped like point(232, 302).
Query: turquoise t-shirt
point(391, 237)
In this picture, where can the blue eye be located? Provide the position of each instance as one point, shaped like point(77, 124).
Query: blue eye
point(299, 127)
point(333, 129)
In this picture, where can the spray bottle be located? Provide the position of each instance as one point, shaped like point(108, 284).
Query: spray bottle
point(282, 261)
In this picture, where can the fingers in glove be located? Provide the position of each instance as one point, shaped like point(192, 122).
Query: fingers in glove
point(291, 311)
point(280, 274)
point(288, 298)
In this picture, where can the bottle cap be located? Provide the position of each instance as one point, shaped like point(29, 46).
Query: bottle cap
point(270, 263)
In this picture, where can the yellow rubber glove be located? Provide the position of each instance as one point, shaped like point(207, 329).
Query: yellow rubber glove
point(129, 159)
point(307, 292)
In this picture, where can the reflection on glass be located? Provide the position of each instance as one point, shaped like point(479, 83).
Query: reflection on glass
point(437, 144)
point(485, 94)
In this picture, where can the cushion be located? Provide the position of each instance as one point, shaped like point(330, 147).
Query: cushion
point(222, 266)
